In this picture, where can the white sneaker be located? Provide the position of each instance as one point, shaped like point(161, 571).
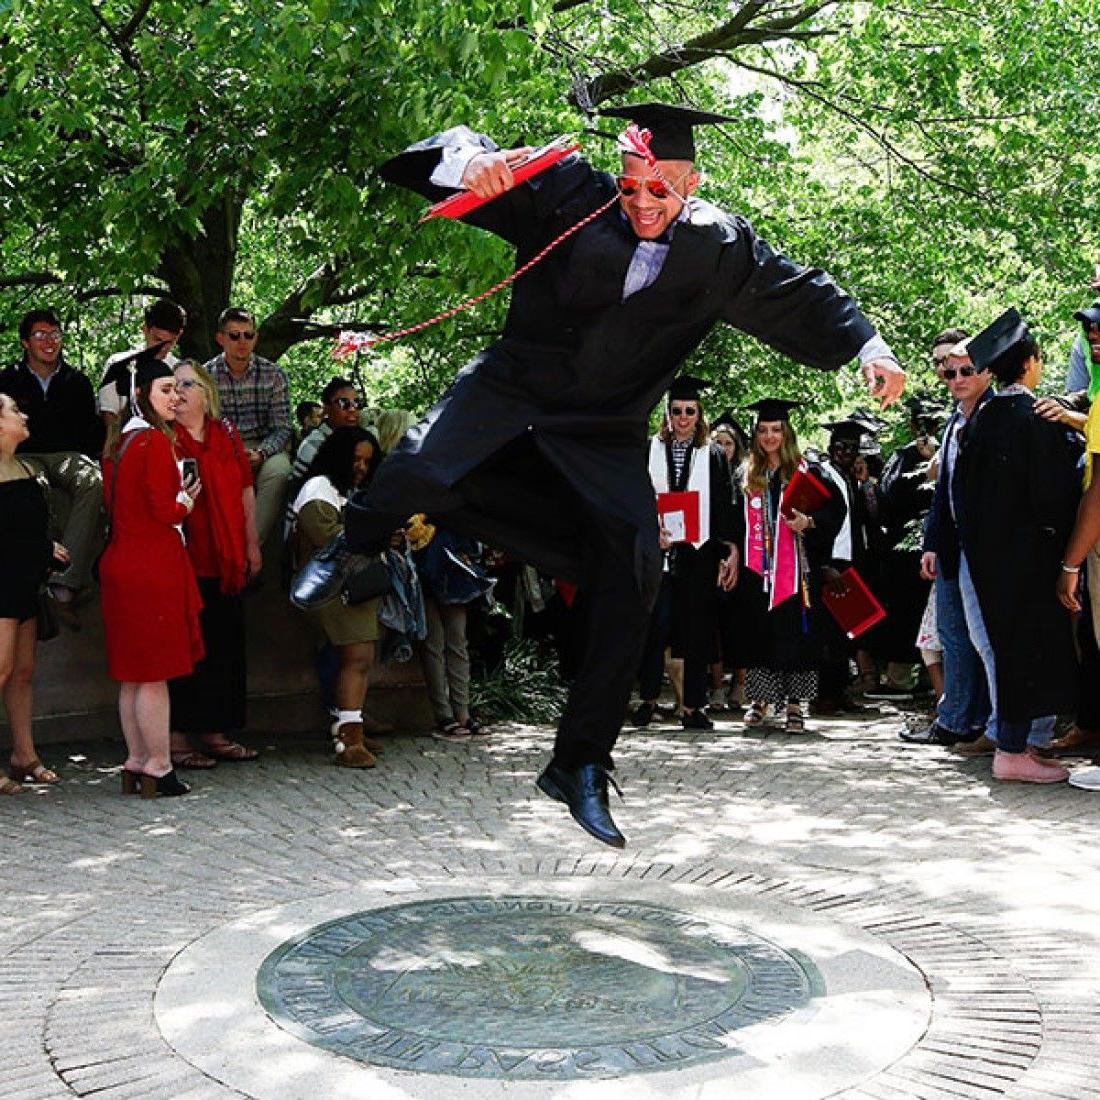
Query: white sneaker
point(1088, 779)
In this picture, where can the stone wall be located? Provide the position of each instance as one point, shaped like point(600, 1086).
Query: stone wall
point(76, 700)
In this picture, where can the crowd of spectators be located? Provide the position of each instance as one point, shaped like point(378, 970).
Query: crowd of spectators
point(973, 534)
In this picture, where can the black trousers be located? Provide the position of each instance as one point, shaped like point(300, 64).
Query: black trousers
point(610, 605)
point(213, 699)
point(658, 638)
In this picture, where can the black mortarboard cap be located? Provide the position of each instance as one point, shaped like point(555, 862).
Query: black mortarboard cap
point(848, 428)
point(686, 388)
point(142, 367)
point(671, 136)
point(726, 421)
point(1001, 336)
point(773, 408)
point(1090, 316)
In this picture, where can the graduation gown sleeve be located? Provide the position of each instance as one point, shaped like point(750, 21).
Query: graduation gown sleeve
point(799, 311)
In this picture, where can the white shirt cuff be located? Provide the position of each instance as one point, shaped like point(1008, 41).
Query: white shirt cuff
point(455, 158)
point(875, 348)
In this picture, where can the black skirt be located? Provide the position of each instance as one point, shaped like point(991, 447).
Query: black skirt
point(213, 699)
point(25, 547)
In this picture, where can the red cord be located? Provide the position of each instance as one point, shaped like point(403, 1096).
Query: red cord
point(347, 343)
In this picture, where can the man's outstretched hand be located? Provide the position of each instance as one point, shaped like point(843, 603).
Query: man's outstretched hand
point(885, 379)
point(490, 174)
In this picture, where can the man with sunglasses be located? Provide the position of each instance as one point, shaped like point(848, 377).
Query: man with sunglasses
point(963, 711)
point(255, 397)
point(538, 447)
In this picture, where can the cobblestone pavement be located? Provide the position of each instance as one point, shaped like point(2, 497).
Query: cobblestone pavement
point(990, 889)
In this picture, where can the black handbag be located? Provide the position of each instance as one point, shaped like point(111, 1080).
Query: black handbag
point(48, 625)
point(367, 578)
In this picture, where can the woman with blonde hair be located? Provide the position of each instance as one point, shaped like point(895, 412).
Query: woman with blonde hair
point(224, 549)
point(150, 600)
point(783, 552)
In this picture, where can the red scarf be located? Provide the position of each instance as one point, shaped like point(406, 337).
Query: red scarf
point(219, 472)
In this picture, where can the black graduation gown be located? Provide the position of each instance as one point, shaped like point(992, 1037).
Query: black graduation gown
point(1016, 488)
point(559, 405)
point(904, 495)
point(775, 638)
point(695, 570)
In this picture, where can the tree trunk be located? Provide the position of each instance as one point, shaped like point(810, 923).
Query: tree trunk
point(199, 275)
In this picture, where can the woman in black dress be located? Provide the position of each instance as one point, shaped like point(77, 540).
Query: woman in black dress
point(26, 553)
point(782, 555)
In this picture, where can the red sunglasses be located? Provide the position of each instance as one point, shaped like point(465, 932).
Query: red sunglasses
point(629, 185)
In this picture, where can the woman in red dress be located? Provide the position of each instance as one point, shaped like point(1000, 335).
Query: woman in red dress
point(150, 599)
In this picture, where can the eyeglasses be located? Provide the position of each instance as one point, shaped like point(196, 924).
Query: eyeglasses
point(47, 337)
point(683, 410)
point(187, 383)
point(948, 374)
point(240, 335)
point(629, 185)
point(347, 403)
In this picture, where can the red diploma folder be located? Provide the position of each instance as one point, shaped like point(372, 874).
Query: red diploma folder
point(857, 610)
point(541, 159)
point(804, 493)
point(679, 513)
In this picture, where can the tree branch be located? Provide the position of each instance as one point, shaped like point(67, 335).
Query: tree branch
point(734, 34)
point(48, 278)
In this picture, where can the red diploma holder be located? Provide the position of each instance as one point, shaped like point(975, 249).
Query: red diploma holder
point(857, 610)
point(679, 515)
point(804, 493)
point(457, 205)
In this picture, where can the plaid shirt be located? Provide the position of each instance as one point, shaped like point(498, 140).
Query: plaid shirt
point(258, 403)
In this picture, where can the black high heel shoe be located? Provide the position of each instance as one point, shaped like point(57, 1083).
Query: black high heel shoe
point(131, 781)
point(167, 785)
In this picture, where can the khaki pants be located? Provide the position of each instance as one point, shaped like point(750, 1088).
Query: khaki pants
point(79, 479)
point(445, 660)
point(271, 485)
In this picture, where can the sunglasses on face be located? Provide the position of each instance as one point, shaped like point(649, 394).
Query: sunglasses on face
point(346, 404)
point(630, 185)
point(948, 374)
point(240, 335)
point(683, 410)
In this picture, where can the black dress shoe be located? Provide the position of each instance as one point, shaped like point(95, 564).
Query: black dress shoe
point(584, 790)
point(935, 734)
point(644, 713)
point(696, 720)
point(321, 579)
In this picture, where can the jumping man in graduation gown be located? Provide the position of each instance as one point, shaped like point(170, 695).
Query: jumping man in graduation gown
point(538, 446)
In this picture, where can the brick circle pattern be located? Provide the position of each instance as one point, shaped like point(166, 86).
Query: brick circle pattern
point(530, 988)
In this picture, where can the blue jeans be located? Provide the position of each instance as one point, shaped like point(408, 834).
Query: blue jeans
point(964, 705)
point(1009, 736)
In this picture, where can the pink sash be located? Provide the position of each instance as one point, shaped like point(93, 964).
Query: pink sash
point(781, 577)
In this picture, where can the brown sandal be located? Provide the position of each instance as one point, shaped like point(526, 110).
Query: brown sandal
point(194, 760)
point(231, 752)
point(9, 786)
point(34, 772)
